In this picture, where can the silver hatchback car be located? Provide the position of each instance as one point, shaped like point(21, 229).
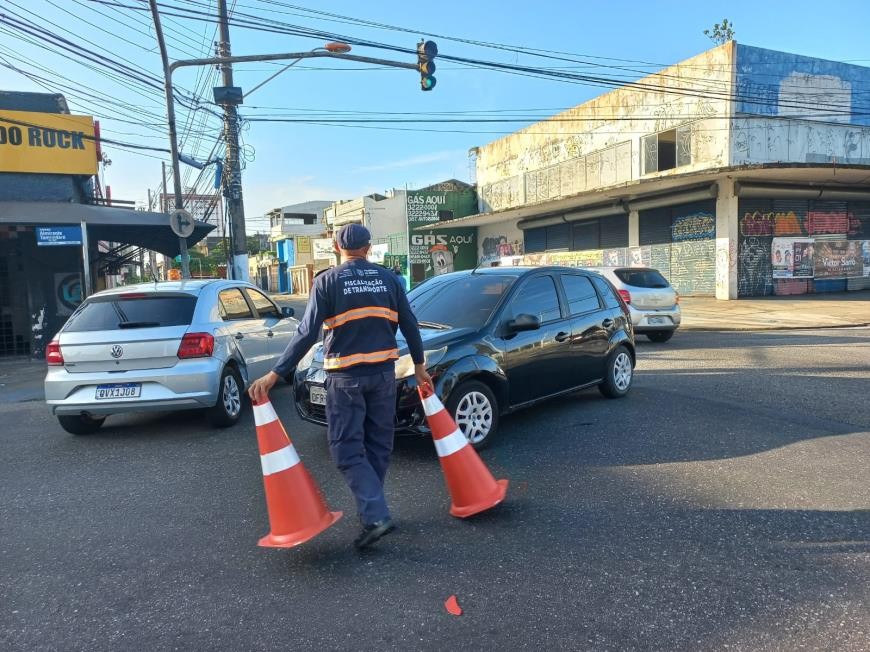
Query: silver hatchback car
point(163, 346)
point(654, 305)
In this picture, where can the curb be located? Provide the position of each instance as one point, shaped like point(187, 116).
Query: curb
point(769, 328)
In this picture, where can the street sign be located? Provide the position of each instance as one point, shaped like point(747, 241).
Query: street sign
point(181, 222)
point(53, 236)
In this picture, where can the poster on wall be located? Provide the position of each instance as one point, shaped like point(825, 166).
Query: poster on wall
point(323, 249)
point(639, 256)
point(835, 259)
point(377, 253)
point(494, 248)
point(792, 258)
point(865, 256)
point(802, 259)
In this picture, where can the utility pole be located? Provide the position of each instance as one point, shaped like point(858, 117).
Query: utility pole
point(173, 134)
point(232, 166)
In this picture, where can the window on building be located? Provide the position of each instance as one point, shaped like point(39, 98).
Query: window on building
point(667, 150)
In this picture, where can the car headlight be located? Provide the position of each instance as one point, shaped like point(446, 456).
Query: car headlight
point(405, 365)
point(308, 358)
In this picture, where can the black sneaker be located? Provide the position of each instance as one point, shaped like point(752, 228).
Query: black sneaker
point(371, 533)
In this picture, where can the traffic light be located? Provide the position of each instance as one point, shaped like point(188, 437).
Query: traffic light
point(426, 53)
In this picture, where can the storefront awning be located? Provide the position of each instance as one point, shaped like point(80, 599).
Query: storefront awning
point(140, 228)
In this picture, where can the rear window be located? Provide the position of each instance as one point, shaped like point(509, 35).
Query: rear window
point(641, 278)
point(118, 312)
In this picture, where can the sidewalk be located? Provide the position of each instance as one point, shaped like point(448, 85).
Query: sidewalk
point(21, 380)
point(835, 310)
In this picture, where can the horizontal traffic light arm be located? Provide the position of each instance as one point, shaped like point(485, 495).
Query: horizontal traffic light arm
point(289, 55)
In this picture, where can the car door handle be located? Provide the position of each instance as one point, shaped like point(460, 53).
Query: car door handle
point(563, 336)
point(607, 323)
point(239, 336)
point(270, 334)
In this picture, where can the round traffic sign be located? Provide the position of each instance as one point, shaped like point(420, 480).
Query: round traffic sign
point(181, 222)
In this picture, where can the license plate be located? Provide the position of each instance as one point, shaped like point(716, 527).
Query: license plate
point(119, 390)
point(655, 321)
point(317, 395)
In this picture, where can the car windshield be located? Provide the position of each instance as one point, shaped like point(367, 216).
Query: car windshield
point(641, 278)
point(120, 311)
point(465, 302)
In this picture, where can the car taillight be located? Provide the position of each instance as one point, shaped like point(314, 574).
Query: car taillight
point(196, 345)
point(53, 356)
point(626, 295)
point(676, 297)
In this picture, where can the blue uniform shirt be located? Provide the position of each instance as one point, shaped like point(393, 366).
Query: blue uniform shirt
point(360, 305)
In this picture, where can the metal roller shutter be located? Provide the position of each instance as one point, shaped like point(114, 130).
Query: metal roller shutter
point(585, 235)
point(655, 226)
point(535, 240)
point(614, 231)
point(559, 237)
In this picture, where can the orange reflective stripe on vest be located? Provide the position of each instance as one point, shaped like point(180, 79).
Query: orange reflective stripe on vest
point(360, 313)
point(341, 362)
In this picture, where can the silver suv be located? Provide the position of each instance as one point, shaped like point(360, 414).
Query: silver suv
point(163, 346)
point(654, 305)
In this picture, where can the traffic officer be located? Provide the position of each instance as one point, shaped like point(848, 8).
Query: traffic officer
point(359, 305)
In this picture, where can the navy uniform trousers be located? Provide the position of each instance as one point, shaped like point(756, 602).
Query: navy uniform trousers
point(361, 413)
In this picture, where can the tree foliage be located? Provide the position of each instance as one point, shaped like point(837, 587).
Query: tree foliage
point(721, 32)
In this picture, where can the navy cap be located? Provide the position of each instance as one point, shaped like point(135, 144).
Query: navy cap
point(353, 236)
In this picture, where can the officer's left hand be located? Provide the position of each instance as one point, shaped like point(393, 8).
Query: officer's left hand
point(423, 377)
point(259, 390)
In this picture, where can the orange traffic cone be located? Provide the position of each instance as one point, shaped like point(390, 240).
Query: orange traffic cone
point(472, 487)
point(296, 508)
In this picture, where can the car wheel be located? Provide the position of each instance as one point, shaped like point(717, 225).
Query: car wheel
point(475, 410)
point(620, 373)
point(80, 424)
point(660, 336)
point(228, 408)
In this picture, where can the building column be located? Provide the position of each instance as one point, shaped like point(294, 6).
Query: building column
point(633, 229)
point(726, 240)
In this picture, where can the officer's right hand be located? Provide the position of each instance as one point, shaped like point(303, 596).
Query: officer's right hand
point(259, 390)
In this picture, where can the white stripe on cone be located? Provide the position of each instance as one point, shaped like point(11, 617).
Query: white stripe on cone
point(432, 406)
point(264, 414)
point(279, 460)
point(450, 444)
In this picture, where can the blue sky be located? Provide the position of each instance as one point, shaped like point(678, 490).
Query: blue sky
point(292, 162)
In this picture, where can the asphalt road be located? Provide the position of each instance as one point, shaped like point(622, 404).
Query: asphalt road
point(724, 503)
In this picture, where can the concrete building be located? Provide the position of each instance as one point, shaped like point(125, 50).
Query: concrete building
point(58, 239)
point(292, 230)
point(400, 226)
point(739, 172)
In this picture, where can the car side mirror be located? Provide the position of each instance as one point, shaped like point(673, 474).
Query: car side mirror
point(287, 311)
point(524, 323)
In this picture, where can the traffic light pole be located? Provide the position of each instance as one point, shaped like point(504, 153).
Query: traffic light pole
point(173, 134)
point(235, 205)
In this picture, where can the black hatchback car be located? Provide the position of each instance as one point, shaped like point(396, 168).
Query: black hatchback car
point(499, 339)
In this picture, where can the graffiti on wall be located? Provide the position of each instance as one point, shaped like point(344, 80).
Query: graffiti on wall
point(696, 226)
point(693, 267)
point(754, 278)
point(494, 248)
